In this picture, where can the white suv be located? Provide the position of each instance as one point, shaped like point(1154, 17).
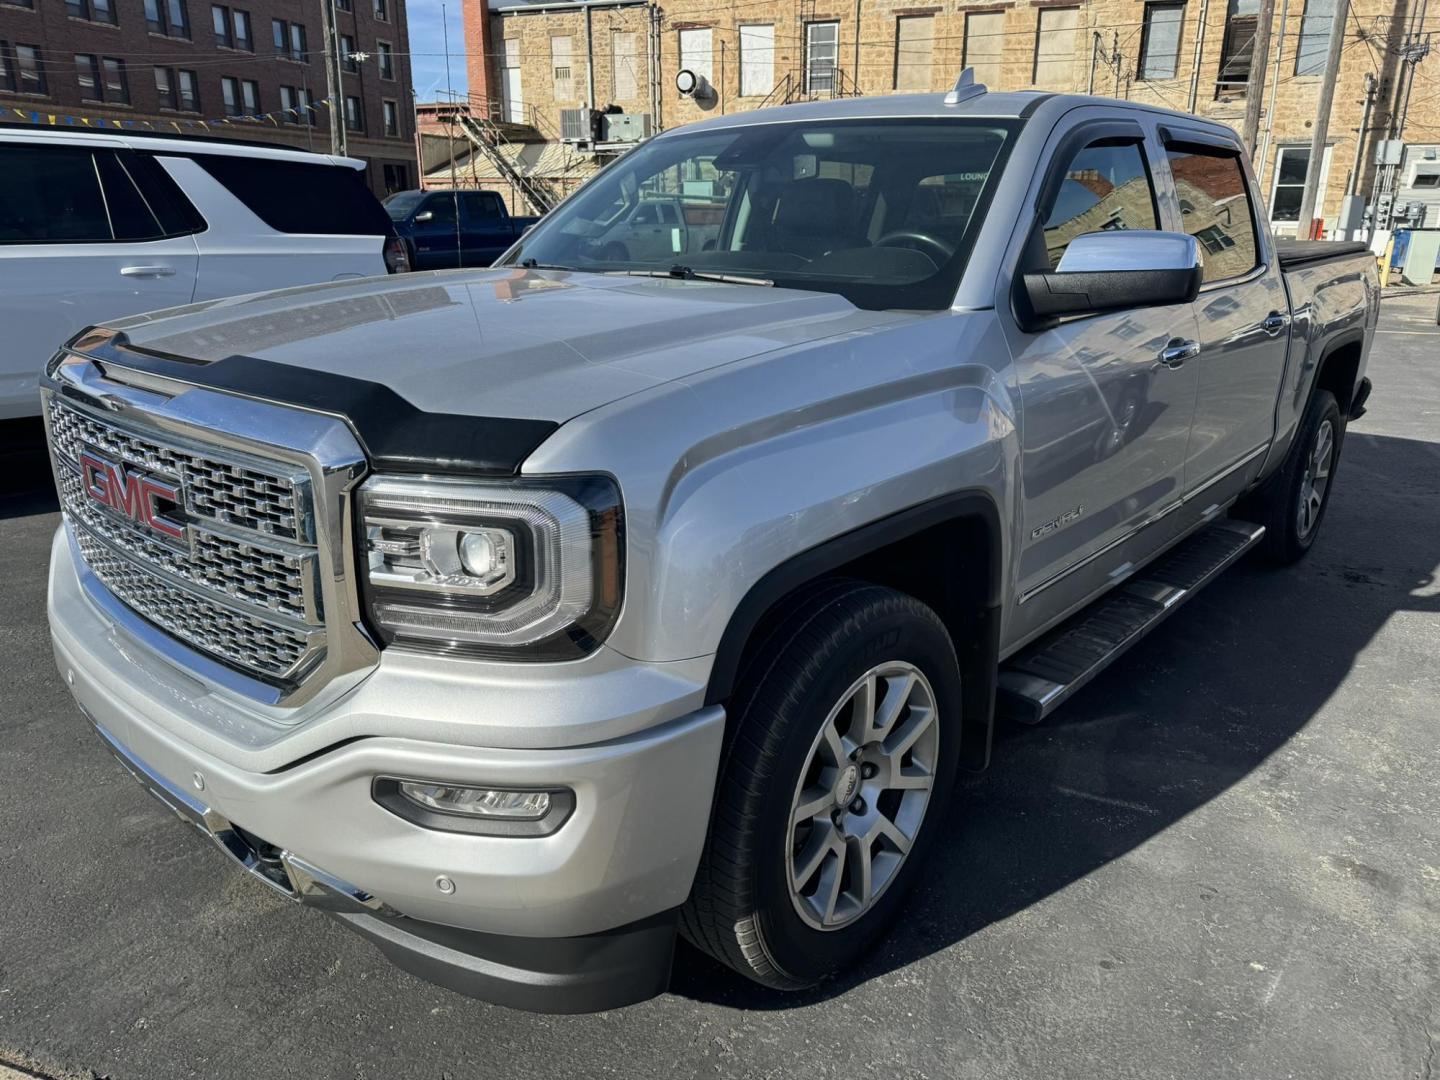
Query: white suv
point(93, 227)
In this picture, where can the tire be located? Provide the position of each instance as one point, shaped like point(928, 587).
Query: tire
point(790, 745)
point(1278, 504)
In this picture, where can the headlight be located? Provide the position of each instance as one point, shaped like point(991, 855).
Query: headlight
point(512, 569)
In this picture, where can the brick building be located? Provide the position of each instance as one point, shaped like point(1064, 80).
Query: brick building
point(196, 67)
point(530, 59)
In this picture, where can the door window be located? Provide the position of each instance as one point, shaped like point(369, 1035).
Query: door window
point(52, 196)
point(1216, 208)
point(442, 209)
point(1106, 186)
point(479, 208)
point(822, 54)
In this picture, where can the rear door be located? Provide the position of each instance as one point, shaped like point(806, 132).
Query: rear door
point(1105, 424)
point(1242, 314)
point(79, 244)
point(485, 226)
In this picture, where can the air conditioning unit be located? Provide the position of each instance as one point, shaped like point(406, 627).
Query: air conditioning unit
point(575, 126)
point(626, 127)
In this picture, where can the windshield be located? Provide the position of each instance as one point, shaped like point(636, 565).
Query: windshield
point(884, 213)
point(400, 205)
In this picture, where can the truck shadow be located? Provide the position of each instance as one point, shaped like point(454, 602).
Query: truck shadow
point(1196, 707)
point(26, 486)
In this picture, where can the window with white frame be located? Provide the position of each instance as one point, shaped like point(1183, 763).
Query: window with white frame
point(757, 59)
point(1287, 186)
point(914, 51)
point(984, 45)
point(822, 55)
point(625, 56)
point(697, 51)
point(1055, 47)
point(560, 61)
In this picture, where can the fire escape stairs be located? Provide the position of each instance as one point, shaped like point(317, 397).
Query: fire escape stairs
point(491, 139)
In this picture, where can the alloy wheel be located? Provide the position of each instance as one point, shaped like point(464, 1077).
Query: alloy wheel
point(1316, 480)
point(862, 797)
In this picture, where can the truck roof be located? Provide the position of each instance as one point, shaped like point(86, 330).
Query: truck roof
point(160, 142)
point(1013, 104)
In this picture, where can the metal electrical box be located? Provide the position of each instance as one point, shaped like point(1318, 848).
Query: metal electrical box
point(1422, 255)
point(626, 127)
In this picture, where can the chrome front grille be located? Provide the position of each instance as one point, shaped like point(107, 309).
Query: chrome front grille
point(227, 492)
point(242, 584)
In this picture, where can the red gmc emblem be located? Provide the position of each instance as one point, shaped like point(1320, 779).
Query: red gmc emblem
point(132, 494)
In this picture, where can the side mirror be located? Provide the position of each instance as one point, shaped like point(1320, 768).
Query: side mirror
point(424, 216)
point(1108, 271)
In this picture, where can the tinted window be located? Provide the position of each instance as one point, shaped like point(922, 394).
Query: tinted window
point(51, 195)
point(177, 214)
point(479, 207)
point(295, 197)
point(1106, 186)
point(1215, 207)
point(442, 209)
point(130, 216)
point(400, 205)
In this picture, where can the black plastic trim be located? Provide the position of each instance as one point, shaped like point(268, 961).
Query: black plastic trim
point(1205, 138)
point(590, 973)
point(397, 437)
point(829, 556)
point(1303, 254)
point(1362, 395)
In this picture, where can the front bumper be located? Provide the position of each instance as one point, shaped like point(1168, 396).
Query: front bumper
point(577, 920)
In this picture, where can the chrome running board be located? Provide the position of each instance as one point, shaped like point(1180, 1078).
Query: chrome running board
point(1037, 680)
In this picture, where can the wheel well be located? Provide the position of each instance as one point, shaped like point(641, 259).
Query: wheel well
point(947, 555)
point(1338, 373)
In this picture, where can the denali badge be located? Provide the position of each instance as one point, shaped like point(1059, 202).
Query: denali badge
point(130, 493)
point(1056, 523)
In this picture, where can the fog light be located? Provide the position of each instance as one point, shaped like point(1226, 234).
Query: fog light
point(478, 802)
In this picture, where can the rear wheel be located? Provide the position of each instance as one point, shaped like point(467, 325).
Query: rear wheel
point(1292, 503)
point(844, 749)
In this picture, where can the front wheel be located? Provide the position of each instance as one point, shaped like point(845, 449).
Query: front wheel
point(844, 749)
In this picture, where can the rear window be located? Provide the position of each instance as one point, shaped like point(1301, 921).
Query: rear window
point(296, 197)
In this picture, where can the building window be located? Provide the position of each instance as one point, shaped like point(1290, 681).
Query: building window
point(1160, 41)
point(342, 5)
point(347, 53)
point(757, 60)
point(397, 178)
point(189, 91)
point(1242, 18)
point(28, 5)
point(87, 71)
point(984, 44)
point(241, 96)
point(392, 117)
point(232, 28)
point(626, 57)
point(914, 51)
point(102, 79)
point(696, 52)
point(176, 90)
point(165, 88)
point(382, 10)
point(297, 106)
point(1314, 45)
point(168, 17)
point(385, 59)
point(354, 114)
point(21, 71)
point(250, 96)
point(290, 40)
point(93, 10)
point(560, 67)
point(822, 51)
point(1292, 166)
point(1055, 47)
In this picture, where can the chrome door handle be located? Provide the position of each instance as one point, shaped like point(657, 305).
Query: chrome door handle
point(1273, 323)
point(147, 271)
point(1177, 352)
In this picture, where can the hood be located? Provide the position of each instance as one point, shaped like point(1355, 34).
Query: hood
point(542, 345)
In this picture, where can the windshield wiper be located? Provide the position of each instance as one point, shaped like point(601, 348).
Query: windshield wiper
point(533, 264)
point(685, 273)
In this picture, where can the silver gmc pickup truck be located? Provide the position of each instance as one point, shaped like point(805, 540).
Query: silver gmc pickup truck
point(525, 618)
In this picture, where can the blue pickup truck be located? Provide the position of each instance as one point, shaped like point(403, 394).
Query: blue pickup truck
point(446, 229)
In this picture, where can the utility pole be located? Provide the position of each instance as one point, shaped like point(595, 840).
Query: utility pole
point(1255, 86)
point(1358, 166)
point(1094, 59)
point(1322, 120)
point(332, 79)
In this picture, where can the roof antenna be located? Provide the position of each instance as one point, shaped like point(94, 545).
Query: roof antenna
point(965, 88)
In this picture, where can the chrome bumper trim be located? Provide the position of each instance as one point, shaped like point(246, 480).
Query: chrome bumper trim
point(289, 875)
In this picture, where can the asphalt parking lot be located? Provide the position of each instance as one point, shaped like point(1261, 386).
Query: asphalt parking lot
point(1221, 860)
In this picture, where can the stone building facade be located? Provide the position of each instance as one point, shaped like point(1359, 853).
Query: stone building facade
point(248, 69)
point(1191, 55)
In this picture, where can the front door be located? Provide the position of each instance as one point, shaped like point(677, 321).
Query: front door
point(1242, 314)
point(1105, 423)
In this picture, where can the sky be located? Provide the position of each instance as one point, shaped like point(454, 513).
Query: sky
point(427, 48)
